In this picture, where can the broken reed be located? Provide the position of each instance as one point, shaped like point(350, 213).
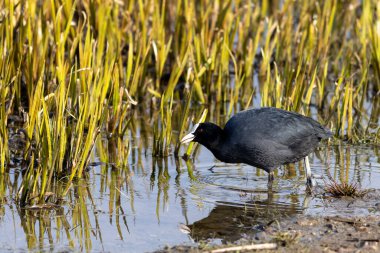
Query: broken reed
point(74, 69)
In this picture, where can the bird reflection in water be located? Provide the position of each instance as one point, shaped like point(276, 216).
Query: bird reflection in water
point(229, 221)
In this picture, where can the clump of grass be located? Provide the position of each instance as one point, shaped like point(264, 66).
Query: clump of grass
point(162, 133)
point(344, 189)
point(286, 238)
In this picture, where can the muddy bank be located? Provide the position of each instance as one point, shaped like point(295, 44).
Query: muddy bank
point(310, 234)
point(341, 225)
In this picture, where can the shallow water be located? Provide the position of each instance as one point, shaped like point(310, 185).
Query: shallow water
point(154, 203)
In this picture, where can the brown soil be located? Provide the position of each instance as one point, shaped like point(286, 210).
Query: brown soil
point(347, 225)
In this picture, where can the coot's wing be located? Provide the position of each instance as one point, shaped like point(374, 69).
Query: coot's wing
point(275, 124)
point(274, 132)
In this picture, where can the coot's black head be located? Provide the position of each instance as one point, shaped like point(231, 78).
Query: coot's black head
point(206, 134)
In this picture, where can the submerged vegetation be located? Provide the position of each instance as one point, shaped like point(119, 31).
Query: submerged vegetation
point(72, 72)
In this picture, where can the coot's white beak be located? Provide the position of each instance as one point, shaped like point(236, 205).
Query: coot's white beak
point(187, 138)
point(190, 136)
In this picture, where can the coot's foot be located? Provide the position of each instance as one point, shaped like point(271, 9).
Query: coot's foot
point(310, 182)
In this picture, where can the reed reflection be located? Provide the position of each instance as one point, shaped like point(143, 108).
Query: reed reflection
point(114, 195)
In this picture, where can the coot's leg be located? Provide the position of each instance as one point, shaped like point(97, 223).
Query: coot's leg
point(309, 180)
point(270, 179)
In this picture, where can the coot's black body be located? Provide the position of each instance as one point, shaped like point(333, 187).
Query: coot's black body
point(265, 138)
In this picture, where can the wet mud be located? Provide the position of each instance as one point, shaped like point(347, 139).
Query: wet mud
point(345, 225)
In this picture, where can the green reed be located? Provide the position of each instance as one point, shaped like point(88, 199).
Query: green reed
point(76, 69)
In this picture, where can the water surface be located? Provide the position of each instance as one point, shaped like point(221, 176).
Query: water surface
point(157, 202)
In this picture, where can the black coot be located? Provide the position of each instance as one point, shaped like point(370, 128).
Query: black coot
point(265, 138)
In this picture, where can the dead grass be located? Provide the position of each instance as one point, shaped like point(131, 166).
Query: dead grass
point(286, 238)
point(344, 189)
